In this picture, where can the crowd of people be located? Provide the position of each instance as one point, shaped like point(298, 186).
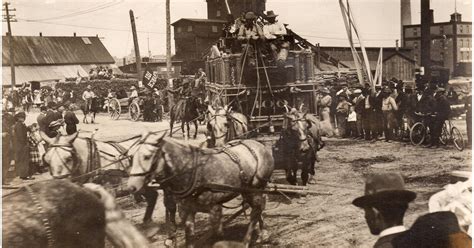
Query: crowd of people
point(101, 73)
point(385, 111)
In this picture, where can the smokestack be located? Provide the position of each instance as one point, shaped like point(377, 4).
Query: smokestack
point(426, 17)
point(74, 34)
point(41, 34)
point(405, 15)
point(432, 16)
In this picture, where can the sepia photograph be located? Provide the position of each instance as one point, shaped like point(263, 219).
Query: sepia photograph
point(236, 123)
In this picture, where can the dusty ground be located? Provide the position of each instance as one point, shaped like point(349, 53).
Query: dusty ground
point(324, 221)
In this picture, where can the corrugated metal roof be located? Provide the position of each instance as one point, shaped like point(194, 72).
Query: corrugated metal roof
point(48, 73)
point(56, 50)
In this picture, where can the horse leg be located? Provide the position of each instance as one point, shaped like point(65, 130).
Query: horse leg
point(188, 134)
point(257, 202)
point(304, 173)
point(183, 131)
point(93, 117)
point(150, 196)
point(196, 128)
point(189, 230)
point(170, 205)
point(171, 126)
point(216, 220)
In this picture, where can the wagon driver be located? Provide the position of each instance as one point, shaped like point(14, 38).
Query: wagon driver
point(274, 32)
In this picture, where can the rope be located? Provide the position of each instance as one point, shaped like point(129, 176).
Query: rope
point(44, 219)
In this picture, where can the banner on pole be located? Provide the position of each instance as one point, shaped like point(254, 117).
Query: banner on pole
point(150, 78)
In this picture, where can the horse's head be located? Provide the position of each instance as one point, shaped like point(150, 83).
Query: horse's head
point(297, 124)
point(148, 161)
point(218, 124)
point(61, 157)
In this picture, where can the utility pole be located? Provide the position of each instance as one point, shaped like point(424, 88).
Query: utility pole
point(137, 49)
point(426, 39)
point(8, 17)
point(168, 51)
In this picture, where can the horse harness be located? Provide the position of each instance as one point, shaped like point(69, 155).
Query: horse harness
point(122, 150)
point(44, 217)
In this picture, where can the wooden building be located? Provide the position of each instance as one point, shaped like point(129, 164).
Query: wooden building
point(397, 62)
point(193, 38)
point(158, 65)
point(217, 9)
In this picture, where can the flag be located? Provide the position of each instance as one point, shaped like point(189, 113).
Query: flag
point(149, 78)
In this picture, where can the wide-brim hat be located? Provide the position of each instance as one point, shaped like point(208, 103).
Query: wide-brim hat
point(383, 189)
point(325, 90)
point(271, 14)
point(20, 114)
point(133, 88)
point(378, 86)
point(440, 89)
point(357, 91)
point(89, 87)
point(250, 16)
point(387, 90)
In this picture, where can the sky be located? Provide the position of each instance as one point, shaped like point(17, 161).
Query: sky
point(320, 21)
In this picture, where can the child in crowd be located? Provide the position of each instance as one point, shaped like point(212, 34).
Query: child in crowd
point(351, 123)
point(33, 142)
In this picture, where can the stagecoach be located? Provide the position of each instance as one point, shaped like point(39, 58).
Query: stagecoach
point(262, 89)
point(115, 107)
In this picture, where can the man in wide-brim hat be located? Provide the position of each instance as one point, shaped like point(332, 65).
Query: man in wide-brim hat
point(385, 203)
point(273, 32)
point(250, 30)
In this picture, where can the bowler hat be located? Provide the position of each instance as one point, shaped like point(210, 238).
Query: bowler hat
point(271, 14)
point(384, 188)
point(357, 91)
point(20, 114)
point(325, 90)
point(250, 16)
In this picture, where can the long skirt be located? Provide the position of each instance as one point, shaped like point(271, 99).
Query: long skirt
point(22, 162)
point(326, 125)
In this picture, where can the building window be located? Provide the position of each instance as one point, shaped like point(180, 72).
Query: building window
point(214, 29)
point(441, 29)
point(460, 28)
point(86, 40)
point(190, 28)
point(415, 32)
point(441, 55)
point(179, 30)
point(461, 43)
point(415, 45)
point(218, 13)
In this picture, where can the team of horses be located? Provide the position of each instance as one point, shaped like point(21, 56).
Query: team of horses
point(186, 173)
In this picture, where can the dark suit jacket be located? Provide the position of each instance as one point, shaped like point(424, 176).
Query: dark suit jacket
point(387, 241)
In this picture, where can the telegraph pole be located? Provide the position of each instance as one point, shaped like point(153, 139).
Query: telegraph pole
point(426, 18)
point(137, 49)
point(10, 18)
point(168, 51)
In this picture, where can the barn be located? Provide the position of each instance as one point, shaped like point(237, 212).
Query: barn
point(49, 59)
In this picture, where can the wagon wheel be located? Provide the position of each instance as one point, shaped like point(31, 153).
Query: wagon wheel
point(458, 140)
point(134, 111)
point(445, 136)
point(114, 109)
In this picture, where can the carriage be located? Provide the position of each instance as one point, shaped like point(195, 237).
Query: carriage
point(116, 106)
point(255, 85)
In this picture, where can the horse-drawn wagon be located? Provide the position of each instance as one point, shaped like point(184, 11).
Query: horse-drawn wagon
point(116, 106)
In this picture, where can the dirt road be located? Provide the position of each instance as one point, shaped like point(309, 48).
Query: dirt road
point(324, 221)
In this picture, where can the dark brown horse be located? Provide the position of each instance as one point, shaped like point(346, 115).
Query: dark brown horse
point(299, 143)
point(58, 213)
point(187, 172)
point(225, 125)
point(75, 158)
point(187, 110)
point(90, 109)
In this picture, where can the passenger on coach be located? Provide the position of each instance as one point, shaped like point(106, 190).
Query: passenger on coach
point(358, 102)
point(250, 30)
point(389, 107)
point(71, 120)
point(274, 32)
point(385, 203)
point(442, 111)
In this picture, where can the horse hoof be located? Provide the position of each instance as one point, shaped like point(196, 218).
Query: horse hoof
point(263, 237)
point(169, 243)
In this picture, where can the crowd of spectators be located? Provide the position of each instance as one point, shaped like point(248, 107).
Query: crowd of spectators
point(386, 111)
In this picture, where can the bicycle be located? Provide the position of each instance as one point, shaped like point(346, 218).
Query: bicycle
point(420, 132)
point(451, 133)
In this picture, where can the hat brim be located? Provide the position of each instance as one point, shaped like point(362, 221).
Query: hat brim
point(390, 196)
point(270, 16)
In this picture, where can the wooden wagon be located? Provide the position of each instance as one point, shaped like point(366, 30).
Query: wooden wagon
point(116, 106)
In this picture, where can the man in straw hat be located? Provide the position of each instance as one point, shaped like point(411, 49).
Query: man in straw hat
point(274, 31)
point(385, 203)
point(249, 30)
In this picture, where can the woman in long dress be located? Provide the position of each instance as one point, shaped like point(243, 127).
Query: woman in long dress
point(21, 148)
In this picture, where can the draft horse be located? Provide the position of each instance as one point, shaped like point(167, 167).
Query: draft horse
point(187, 110)
point(299, 142)
point(224, 125)
point(76, 158)
point(186, 171)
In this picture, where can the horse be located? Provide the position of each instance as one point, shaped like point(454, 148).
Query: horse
point(224, 126)
point(187, 171)
point(91, 109)
point(187, 110)
point(77, 158)
point(58, 213)
point(300, 140)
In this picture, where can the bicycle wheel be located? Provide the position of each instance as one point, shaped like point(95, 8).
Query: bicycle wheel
point(444, 137)
point(458, 140)
point(417, 133)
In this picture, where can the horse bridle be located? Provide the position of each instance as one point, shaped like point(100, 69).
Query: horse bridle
point(67, 148)
point(299, 120)
point(154, 163)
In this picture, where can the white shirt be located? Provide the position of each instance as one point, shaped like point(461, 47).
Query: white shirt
point(134, 93)
point(352, 117)
point(271, 30)
point(418, 96)
point(392, 230)
point(87, 95)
